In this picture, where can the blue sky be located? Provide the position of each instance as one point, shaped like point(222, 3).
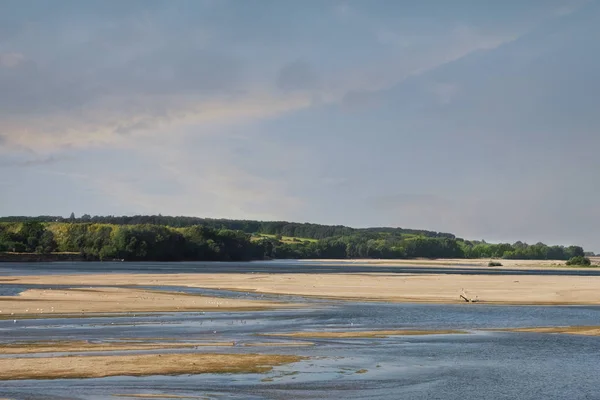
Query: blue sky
point(473, 117)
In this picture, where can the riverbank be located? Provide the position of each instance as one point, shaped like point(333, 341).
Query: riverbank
point(441, 262)
point(35, 257)
point(457, 262)
point(426, 288)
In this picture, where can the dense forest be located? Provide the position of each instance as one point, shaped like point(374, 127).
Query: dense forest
point(292, 229)
point(159, 238)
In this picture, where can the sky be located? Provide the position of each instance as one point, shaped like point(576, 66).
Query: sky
point(480, 118)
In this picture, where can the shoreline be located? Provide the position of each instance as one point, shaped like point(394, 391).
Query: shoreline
point(441, 262)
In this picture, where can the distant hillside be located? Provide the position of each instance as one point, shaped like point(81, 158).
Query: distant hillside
point(158, 238)
point(283, 228)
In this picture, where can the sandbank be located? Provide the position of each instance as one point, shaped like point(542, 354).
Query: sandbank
point(452, 263)
point(118, 300)
point(81, 346)
point(75, 367)
point(566, 330)
point(426, 288)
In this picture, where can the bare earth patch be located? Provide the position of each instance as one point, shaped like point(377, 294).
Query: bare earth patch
point(75, 367)
point(364, 334)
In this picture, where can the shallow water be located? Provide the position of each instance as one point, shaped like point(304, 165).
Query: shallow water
point(491, 365)
point(478, 365)
point(278, 266)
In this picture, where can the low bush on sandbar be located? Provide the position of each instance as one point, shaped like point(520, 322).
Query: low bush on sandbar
point(579, 261)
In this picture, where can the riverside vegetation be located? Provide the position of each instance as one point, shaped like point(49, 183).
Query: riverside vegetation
point(160, 238)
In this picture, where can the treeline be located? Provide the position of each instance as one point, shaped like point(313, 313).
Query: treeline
point(132, 242)
point(147, 242)
point(399, 247)
point(283, 228)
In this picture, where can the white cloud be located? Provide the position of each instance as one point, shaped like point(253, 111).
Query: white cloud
point(105, 124)
point(444, 92)
point(114, 81)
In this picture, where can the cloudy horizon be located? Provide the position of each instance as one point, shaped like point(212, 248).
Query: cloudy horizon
point(464, 117)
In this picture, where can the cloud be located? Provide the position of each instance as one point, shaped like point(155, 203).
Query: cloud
point(192, 176)
point(444, 92)
point(11, 60)
point(32, 162)
point(108, 81)
point(359, 100)
point(569, 7)
point(297, 75)
point(106, 124)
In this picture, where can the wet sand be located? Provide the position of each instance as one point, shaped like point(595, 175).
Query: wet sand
point(74, 367)
point(111, 299)
point(428, 288)
point(566, 330)
point(364, 334)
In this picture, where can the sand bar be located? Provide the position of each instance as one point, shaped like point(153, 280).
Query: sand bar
point(429, 288)
point(139, 365)
point(566, 330)
point(452, 263)
point(111, 299)
point(80, 346)
point(364, 334)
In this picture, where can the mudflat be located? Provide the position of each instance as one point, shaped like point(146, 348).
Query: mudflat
point(117, 300)
point(429, 288)
point(74, 367)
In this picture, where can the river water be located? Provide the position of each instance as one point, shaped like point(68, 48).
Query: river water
point(481, 364)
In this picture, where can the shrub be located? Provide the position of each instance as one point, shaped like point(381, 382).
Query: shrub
point(494, 264)
point(579, 260)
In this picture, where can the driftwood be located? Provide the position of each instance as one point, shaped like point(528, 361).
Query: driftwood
point(467, 299)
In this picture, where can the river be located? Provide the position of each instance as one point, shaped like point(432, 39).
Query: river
point(480, 364)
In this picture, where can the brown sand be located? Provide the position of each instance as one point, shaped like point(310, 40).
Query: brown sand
point(83, 346)
point(364, 334)
point(139, 365)
point(110, 299)
point(567, 330)
point(433, 288)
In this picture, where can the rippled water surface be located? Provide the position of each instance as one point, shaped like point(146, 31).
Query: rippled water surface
point(479, 365)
